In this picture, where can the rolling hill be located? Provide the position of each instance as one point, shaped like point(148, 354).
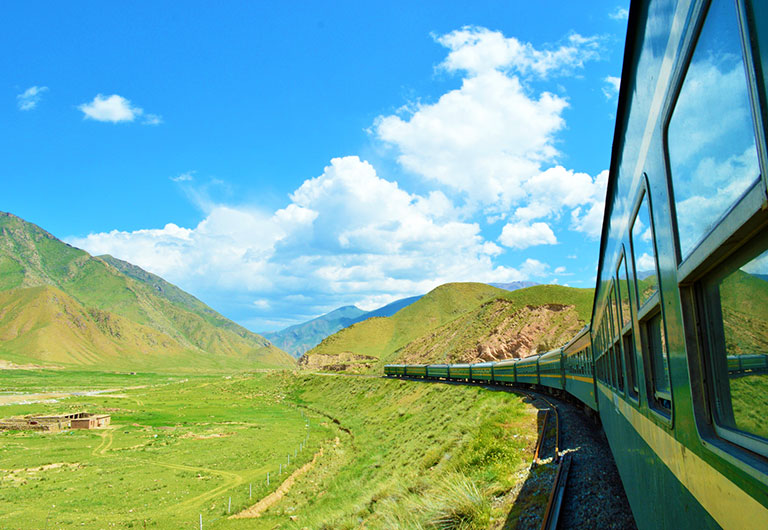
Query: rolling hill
point(299, 339)
point(461, 322)
point(61, 306)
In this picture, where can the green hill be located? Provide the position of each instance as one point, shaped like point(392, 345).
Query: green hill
point(60, 305)
point(378, 339)
point(460, 322)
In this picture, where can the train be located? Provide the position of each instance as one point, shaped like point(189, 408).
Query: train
point(673, 359)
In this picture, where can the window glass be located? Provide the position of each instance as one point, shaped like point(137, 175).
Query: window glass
point(644, 254)
point(616, 315)
point(712, 154)
point(624, 292)
point(657, 347)
point(741, 347)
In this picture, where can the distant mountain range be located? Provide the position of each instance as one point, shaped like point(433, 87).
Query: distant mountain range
point(300, 338)
point(61, 306)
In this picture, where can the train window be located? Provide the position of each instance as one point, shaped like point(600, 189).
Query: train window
point(626, 327)
point(710, 140)
point(737, 318)
point(644, 254)
point(623, 285)
point(657, 347)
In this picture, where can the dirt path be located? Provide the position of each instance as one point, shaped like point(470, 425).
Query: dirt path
point(106, 440)
point(231, 478)
point(260, 507)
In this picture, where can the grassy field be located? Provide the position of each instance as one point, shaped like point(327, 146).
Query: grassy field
point(394, 453)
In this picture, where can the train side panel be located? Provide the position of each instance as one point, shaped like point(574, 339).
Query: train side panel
point(527, 370)
point(459, 372)
point(482, 372)
point(578, 366)
point(551, 369)
point(504, 371)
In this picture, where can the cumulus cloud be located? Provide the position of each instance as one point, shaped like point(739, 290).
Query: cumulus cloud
point(493, 140)
point(522, 235)
point(589, 218)
point(116, 109)
point(482, 140)
point(29, 99)
point(333, 241)
point(478, 50)
point(611, 87)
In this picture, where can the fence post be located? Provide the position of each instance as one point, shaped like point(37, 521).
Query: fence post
point(250, 491)
point(201, 521)
point(229, 507)
point(267, 478)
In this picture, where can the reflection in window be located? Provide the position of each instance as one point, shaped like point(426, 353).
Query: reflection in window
point(657, 347)
point(644, 254)
point(712, 153)
point(623, 292)
point(741, 347)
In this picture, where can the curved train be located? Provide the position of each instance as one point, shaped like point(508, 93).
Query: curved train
point(673, 360)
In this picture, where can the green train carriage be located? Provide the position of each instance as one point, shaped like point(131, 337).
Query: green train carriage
point(527, 370)
point(460, 372)
point(482, 372)
point(578, 368)
point(551, 373)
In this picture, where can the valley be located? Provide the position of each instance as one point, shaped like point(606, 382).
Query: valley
point(181, 449)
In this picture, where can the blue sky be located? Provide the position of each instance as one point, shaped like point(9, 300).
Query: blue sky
point(281, 159)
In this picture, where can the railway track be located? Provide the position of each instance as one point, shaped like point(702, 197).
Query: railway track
point(556, 497)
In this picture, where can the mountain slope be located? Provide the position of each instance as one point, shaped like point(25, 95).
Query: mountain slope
point(459, 323)
point(378, 339)
point(389, 309)
point(31, 257)
point(300, 338)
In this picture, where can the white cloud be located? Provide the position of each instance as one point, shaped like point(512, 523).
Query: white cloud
point(29, 99)
point(478, 50)
point(347, 235)
point(491, 141)
point(589, 220)
point(559, 270)
point(620, 13)
point(152, 119)
point(262, 304)
point(612, 85)
point(522, 235)
point(187, 176)
point(116, 109)
point(533, 268)
point(482, 140)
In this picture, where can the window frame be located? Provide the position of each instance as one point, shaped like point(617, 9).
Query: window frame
point(648, 310)
point(741, 223)
point(626, 331)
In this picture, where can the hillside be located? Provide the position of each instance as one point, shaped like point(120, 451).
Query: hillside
point(460, 323)
point(63, 306)
point(377, 340)
point(299, 339)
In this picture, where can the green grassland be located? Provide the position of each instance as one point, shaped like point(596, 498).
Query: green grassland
point(394, 453)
